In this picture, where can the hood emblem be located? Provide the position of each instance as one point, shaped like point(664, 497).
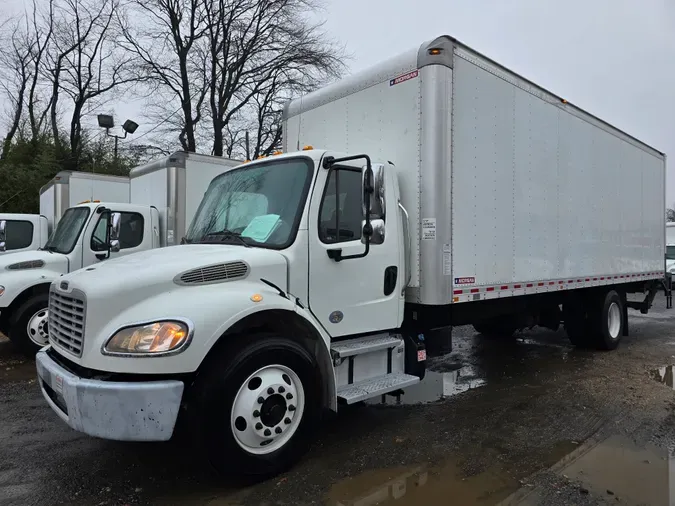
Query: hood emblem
point(64, 285)
point(336, 317)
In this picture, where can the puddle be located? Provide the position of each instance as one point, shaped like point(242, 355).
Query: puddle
point(436, 386)
point(665, 375)
point(615, 468)
point(422, 486)
point(13, 366)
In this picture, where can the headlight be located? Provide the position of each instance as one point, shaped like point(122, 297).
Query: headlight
point(150, 339)
point(2, 289)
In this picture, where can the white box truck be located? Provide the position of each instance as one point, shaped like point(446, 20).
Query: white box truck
point(670, 247)
point(447, 190)
point(25, 232)
point(81, 237)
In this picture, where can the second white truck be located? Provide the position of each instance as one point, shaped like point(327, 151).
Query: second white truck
point(444, 190)
point(26, 232)
point(165, 195)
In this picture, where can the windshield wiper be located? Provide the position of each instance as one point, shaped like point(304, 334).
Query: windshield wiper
point(223, 236)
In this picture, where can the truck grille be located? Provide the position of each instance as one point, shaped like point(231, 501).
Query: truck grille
point(66, 320)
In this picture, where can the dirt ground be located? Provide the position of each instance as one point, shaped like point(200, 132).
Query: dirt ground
point(525, 421)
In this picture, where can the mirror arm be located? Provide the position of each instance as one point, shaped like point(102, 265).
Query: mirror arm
point(336, 253)
point(107, 235)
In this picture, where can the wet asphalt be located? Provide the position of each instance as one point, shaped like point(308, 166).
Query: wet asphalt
point(522, 421)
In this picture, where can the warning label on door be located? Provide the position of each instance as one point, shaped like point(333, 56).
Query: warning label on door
point(428, 229)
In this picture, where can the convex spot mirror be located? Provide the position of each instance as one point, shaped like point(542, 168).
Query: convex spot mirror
point(3, 235)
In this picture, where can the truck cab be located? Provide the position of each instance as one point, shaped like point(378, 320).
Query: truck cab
point(80, 240)
point(285, 299)
point(22, 232)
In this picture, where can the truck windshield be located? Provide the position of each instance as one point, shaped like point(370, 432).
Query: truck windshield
point(257, 205)
point(65, 236)
point(670, 252)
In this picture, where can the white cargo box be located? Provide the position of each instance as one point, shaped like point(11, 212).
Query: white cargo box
point(175, 185)
point(511, 190)
point(69, 188)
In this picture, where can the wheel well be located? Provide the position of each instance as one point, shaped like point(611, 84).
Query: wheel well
point(21, 298)
point(290, 325)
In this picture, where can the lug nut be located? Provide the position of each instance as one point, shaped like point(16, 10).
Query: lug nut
point(270, 391)
point(289, 396)
point(282, 390)
point(260, 400)
point(267, 432)
point(287, 421)
point(258, 426)
point(278, 430)
point(291, 408)
point(256, 413)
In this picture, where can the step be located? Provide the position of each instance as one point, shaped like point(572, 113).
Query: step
point(364, 345)
point(368, 389)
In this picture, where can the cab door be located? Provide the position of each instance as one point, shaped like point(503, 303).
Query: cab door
point(351, 296)
point(135, 234)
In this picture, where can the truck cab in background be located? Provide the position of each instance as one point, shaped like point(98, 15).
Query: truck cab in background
point(22, 232)
point(80, 239)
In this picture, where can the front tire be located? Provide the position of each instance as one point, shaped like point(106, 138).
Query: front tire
point(256, 402)
point(28, 327)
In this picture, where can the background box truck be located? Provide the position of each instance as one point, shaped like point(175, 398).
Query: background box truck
point(24, 232)
point(444, 190)
point(81, 236)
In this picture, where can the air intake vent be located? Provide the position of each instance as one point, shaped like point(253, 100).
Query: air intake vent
point(213, 274)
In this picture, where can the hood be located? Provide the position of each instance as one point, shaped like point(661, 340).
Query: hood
point(144, 274)
point(52, 261)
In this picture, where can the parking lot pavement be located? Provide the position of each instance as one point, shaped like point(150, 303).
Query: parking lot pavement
point(523, 421)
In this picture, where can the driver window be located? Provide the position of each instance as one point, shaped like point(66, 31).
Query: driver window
point(340, 216)
point(98, 238)
point(131, 232)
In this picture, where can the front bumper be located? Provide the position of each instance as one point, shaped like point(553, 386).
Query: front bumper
point(124, 411)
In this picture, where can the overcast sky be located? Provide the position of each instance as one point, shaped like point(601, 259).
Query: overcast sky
point(614, 58)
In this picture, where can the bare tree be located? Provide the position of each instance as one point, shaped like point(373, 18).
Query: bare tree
point(166, 41)
point(217, 57)
point(258, 49)
point(15, 77)
point(87, 64)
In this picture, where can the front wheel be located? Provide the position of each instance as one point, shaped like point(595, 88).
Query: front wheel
point(28, 327)
point(256, 404)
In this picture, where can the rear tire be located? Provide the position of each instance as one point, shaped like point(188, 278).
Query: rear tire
point(28, 327)
point(236, 431)
point(607, 322)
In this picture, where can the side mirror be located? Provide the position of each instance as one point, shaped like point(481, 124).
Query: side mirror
point(114, 232)
point(373, 184)
point(3, 235)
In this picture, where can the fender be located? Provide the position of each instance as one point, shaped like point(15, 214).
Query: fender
point(321, 338)
point(17, 282)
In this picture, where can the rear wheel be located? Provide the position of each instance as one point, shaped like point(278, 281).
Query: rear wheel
point(256, 404)
point(608, 322)
point(28, 327)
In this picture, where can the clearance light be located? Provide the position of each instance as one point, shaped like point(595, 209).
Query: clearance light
point(435, 51)
point(307, 148)
point(256, 297)
point(278, 153)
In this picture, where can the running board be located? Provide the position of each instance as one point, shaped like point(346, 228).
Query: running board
point(374, 387)
point(344, 349)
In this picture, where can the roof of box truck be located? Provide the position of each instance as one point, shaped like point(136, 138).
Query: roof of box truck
point(178, 159)
point(438, 51)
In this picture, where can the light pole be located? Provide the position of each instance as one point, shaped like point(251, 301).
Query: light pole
point(106, 121)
